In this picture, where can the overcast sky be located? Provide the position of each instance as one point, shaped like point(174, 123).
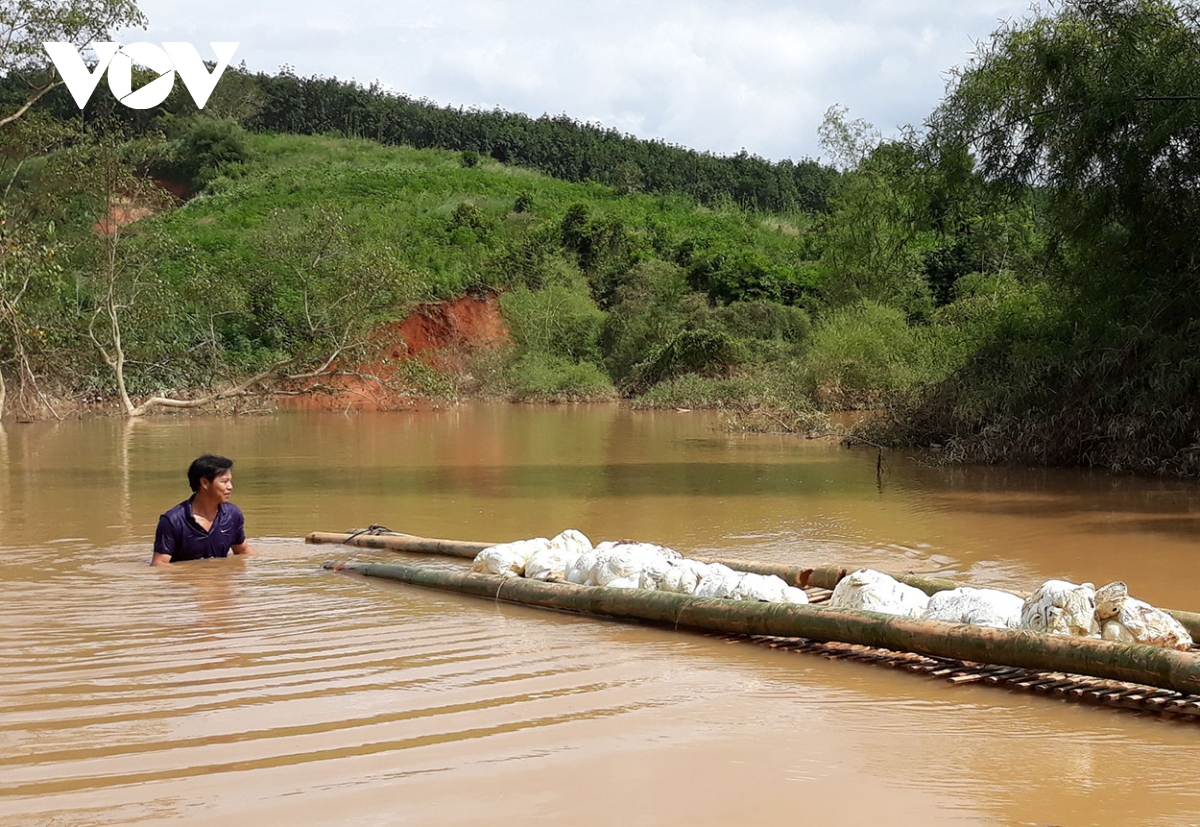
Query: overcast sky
point(717, 75)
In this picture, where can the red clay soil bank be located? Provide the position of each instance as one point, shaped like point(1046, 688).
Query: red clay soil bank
point(123, 210)
point(444, 336)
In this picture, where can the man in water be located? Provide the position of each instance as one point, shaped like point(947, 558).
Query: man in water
point(205, 525)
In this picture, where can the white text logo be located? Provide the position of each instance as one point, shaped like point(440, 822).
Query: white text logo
point(118, 60)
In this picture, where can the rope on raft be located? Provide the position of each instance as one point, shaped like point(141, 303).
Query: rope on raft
point(372, 530)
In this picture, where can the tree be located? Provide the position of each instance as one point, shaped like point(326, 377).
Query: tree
point(1095, 105)
point(870, 247)
point(26, 24)
point(26, 259)
point(121, 283)
point(1088, 109)
point(329, 292)
point(29, 268)
point(850, 142)
point(881, 226)
point(315, 311)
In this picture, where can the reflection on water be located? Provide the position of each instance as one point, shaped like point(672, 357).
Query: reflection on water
point(227, 691)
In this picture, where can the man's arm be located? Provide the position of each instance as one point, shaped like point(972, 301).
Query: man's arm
point(164, 543)
point(240, 546)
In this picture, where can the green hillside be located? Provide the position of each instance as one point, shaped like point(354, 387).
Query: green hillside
point(453, 227)
point(301, 249)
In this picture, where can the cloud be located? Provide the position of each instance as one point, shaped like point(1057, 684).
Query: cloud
point(714, 75)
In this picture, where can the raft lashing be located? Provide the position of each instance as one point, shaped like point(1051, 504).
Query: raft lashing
point(1131, 677)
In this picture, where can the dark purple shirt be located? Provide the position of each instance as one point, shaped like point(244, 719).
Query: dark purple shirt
point(180, 536)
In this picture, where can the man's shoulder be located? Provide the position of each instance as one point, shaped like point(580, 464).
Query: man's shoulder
point(176, 513)
point(231, 513)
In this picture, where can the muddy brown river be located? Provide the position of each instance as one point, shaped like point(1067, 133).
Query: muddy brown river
point(268, 691)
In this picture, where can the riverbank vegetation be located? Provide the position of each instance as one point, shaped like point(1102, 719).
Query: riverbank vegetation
point(1014, 281)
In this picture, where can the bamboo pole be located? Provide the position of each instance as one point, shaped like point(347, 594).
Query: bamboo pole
point(1148, 665)
point(824, 577)
point(401, 542)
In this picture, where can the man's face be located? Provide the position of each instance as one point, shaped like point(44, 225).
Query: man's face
point(221, 485)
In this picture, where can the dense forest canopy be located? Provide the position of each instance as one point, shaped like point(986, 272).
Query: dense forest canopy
point(557, 145)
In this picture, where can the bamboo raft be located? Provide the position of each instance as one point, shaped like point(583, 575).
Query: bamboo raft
point(1132, 677)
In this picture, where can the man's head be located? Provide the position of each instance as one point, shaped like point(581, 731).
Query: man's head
point(207, 467)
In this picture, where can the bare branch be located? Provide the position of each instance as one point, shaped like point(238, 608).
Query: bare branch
point(244, 388)
point(37, 95)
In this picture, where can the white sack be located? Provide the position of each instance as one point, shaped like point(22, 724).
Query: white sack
point(582, 570)
point(762, 588)
point(979, 607)
point(508, 559)
point(548, 564)
point(718, 581)
point(551, 562)
point(684, 576)
point(620, 565)
point(572, 541)
point(1061, 608)
point(874, 591)
point(1127, 620)
point(791, 594)
point(654, 570)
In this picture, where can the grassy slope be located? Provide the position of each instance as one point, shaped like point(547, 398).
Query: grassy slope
point(398, 203)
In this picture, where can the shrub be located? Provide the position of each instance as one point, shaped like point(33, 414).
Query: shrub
point(991, 307)
point(694, 391)
point(543, 377)
point(866, 352)
point(604, 247)
point(767, 402)
point(556, 321)
point(470, 216)
point(572, 227)
point(706, 352)
point(204, 149)
point(535, 259)
point(772, 332)
point(736, 274)
point(654, 306)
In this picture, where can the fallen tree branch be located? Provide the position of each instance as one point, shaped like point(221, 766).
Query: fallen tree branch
point(239, 390)
point(270, 376)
